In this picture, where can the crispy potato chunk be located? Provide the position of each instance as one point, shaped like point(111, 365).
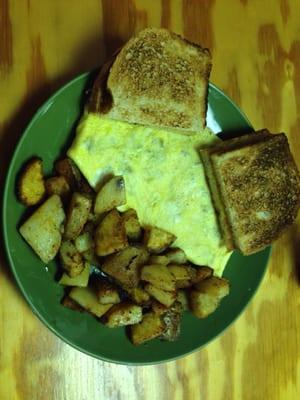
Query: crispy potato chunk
point(43, 230)
point(139, 295)
point(182, 297)
point(31, 185)
point(181, 272)
point(106, 292)
point(77, 216)
point(159, 275)
point(84, 242)
point(151, 326)
point(76, 181)
point(88, 300)
point(202, 273)
point(110, 234)
point(69, 303)
point(164, 297)
point(123, 314)
point(71, 259)
point(206, 296)
point(172, 319)
point(90, 256)
point(80, 280)
point(57, 185)
point(132, 225)
point(111, 195)
point(157, 240)
point(124, 266)
point(176, 256)
point(159, 260)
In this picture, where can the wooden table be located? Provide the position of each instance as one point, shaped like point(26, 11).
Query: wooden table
point(256, 54)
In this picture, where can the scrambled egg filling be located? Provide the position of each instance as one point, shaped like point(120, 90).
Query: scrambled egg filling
point(164, 179)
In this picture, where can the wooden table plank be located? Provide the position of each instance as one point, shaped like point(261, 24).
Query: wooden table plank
point(256, 55)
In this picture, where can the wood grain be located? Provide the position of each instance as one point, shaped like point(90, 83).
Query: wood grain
point(256, 54)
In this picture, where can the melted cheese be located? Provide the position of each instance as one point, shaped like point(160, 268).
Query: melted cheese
point(164, 179)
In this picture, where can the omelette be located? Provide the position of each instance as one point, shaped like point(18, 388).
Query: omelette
point(164, 179)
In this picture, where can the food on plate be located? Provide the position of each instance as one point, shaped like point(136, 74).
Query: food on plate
point(159, 275)
point(151, 327)
point(84, 242)
point(138, 295)
point(157, 79)
point(152, 139)
point(167, 298)
point(150, 222)
point(43, 229)
point(81, 280)
point(71, 173)
point(110, 235)
point(106, 292)
point(125, 313)
point(31, 185)
point(176, 256)
point(157, 240)
point(87, 299)
point(124, 266)
point(57, 185)
point(77, 215)
point(205, 297)
point(132, 225)
point(256, 187)
point(70, 258)
point(111, 195)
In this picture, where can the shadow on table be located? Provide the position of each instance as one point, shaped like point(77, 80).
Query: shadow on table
point(89, 57)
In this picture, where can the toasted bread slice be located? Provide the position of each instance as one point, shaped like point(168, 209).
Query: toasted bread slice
point(157, 79)
point(257, 190)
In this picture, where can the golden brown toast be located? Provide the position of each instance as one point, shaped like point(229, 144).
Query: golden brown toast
point(256, 190)
point(157, 79)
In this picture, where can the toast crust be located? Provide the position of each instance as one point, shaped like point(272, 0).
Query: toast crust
point(157, 79)
point(260, 189)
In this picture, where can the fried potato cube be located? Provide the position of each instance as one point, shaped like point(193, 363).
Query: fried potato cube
point(77, 215)
point(176, 256)
point(110, 234)
point(202, 273)
point(159, 275)
point(182, 272)
point(71, 259)
point(106, 292)
point(182, 297)
point(172, 319)
point(43, 230)
point(90, 256)
point(123, 314)
point(57, 185)
point(206, 296)
point(84, 242)
point(111, 195)
point(151, 326)
point(31, 185)
point(69, 303)
point(71, 173)
point(138, 295)
point(159, 260)
point(132, 225)
point(157, 240)
point(80, 280)
point(125, 265)
point(164, 297)
point(87, 299)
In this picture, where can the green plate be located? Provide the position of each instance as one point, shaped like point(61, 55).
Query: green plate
point(48, 136)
